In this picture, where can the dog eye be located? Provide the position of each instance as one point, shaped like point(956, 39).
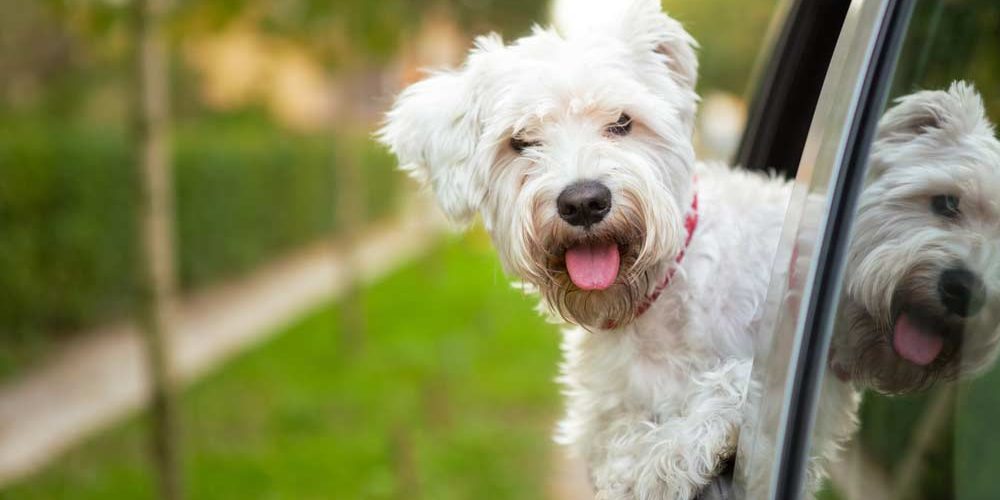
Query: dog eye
point(621, 127)
point(519, 145)
point(946, 205)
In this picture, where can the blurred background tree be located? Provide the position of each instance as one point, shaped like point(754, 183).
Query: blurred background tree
point(255, 87)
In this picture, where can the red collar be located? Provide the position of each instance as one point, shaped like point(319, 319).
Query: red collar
point(690, 224)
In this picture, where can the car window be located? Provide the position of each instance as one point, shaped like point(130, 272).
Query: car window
point(911, 395)
point(788, 84)
point(780, 336)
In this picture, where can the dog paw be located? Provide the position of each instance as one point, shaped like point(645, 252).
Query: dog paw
point(679, 477)
point(614, 479)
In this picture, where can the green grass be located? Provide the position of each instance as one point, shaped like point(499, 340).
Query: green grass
point(452, 397)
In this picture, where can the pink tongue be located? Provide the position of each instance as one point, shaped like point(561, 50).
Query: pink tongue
point(593, 267)
point(915, 344)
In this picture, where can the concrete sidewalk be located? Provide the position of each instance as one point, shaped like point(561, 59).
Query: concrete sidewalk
point(568, 479)
point(100, 376)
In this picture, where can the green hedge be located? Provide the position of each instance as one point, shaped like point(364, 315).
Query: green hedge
point(66, 227)
point(245, 192)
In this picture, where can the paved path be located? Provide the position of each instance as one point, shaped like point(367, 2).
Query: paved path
point(569, 478)
point(100, 376)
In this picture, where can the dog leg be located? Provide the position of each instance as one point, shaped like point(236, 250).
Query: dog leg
point(687, 451)
point(676, 453)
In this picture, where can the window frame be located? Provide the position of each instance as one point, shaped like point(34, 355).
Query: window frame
point(788, 84)
point(827, 277)
point(832, 162)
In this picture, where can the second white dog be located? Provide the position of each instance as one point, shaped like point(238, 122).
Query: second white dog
point(575, 149)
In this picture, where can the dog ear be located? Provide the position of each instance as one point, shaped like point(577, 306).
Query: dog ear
point(652, 36)
point(950, 114)
point(649, 29)
point(434, 129)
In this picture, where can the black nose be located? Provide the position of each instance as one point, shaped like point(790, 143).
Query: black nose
point(584, 203)
point(961, 291)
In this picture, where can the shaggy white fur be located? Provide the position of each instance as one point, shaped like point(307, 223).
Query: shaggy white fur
point(653, 404)
point(655, 407)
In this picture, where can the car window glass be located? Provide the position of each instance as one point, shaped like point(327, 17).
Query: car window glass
point(778, 336)
point(911, 396)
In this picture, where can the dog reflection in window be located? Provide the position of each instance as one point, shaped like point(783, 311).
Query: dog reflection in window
point(921, 299)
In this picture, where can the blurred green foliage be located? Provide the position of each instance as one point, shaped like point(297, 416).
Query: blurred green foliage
point(889, 431)
point(245, 190)
point(453, 398)
point(342, 31)
point(66, 212)
point(731, 35)
point(952, 40)
point(376, 29)
point(976, 455)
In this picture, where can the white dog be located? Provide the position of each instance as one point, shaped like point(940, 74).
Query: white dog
point(575, 149)
point(921, 300)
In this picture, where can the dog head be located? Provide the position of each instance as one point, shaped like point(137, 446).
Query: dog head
point(574, 148)
point(922, 292)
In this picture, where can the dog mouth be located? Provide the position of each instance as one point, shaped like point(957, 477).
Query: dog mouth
point(902, 350)
point(593, 265)
point(924, 339)
point(595, 262)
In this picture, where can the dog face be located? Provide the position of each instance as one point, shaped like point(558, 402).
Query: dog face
point(922, 296)
point(574, 148)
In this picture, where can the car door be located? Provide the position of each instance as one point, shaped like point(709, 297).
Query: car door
point(875, 369)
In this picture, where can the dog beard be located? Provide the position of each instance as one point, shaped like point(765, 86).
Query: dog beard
point(871, 357)
point(618, 303)
point(872, 361)
point(615, 305)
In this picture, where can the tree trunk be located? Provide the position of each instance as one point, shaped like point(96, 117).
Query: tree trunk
point(156, 277)
point(350, 218)
point(351, 200)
